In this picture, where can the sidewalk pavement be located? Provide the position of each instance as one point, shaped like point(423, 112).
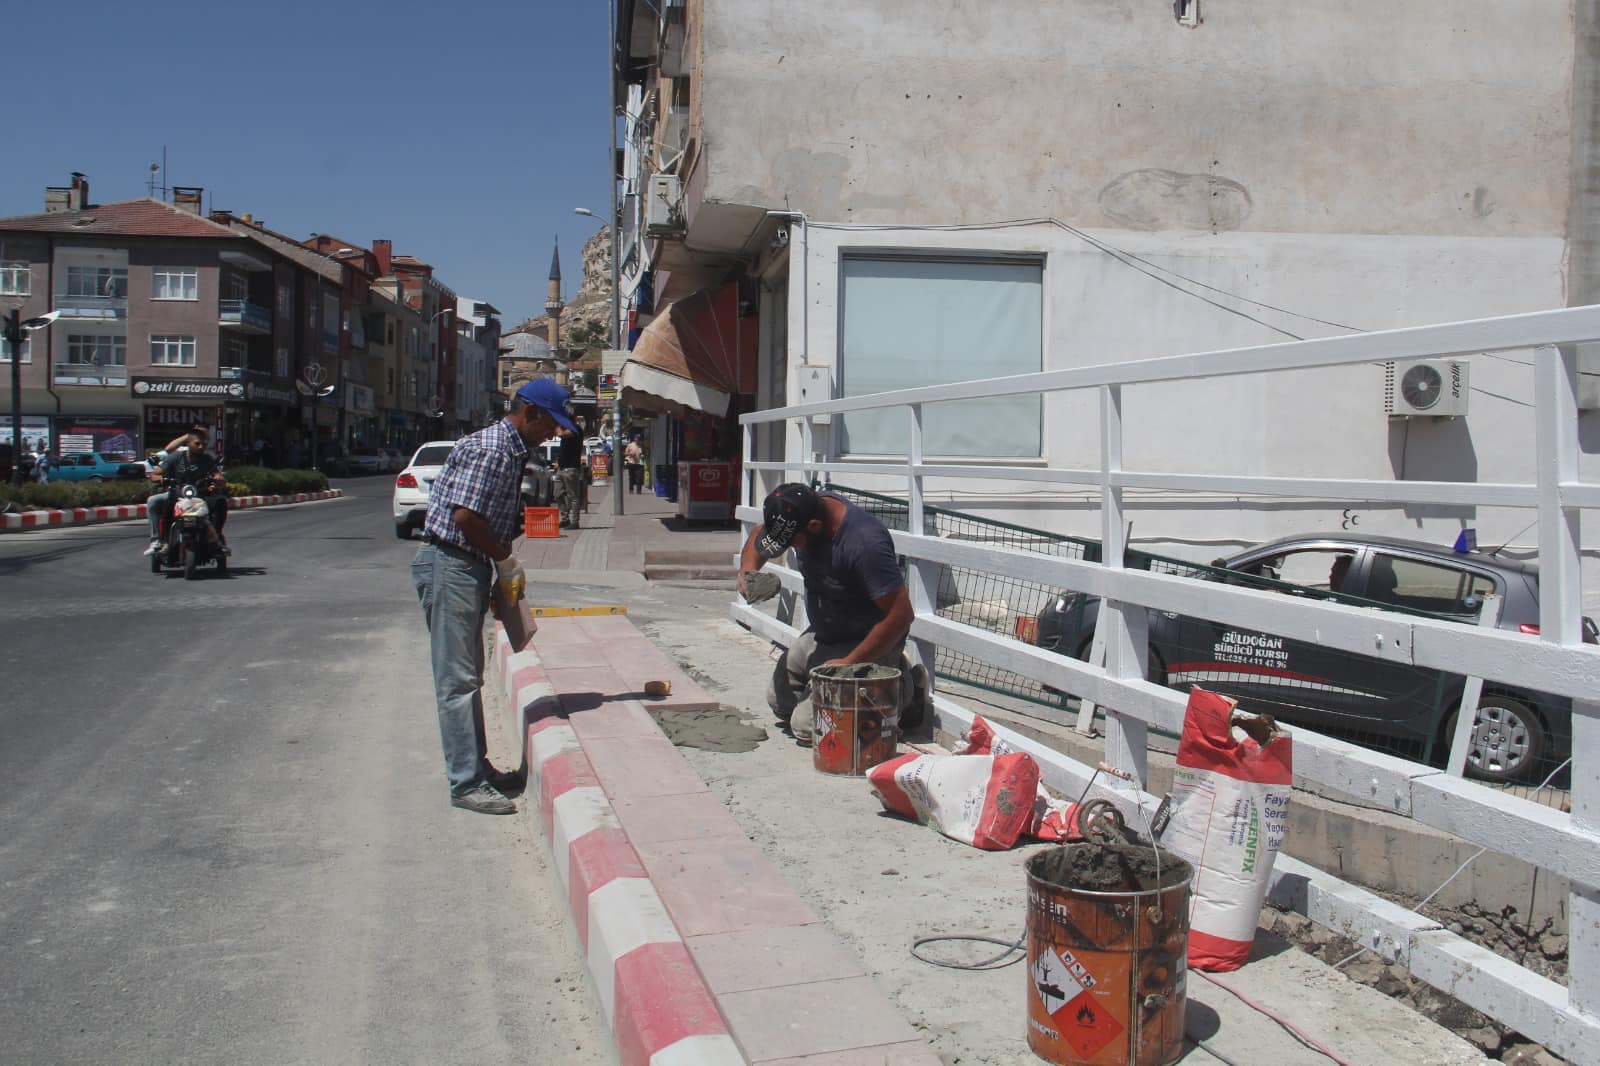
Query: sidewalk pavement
point(607, 541)
point(83, 516)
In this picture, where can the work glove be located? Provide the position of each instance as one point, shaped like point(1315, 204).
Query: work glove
point(509, 578)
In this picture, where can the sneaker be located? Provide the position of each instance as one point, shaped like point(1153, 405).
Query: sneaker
point(224, 549)
point(483, 799)
point(155, 546)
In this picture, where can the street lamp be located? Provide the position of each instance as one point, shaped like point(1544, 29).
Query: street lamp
point(313, 383)
point(617, 494)
point(16, 328)
point(344, 370)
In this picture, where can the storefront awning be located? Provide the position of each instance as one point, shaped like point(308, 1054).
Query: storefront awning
point(697, 355)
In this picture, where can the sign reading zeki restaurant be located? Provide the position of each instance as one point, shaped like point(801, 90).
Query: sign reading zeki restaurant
point(188, 388)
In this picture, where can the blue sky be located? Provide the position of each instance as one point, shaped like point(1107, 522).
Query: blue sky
point(465, 132)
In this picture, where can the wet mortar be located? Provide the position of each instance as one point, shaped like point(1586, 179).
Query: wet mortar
point(725, 729)
point(1107, 868)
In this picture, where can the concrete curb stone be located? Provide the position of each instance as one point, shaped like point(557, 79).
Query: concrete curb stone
point(660, 1010)
point(28, 521)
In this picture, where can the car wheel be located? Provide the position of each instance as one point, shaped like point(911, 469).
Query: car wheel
point(402, 530)
point(96, 477)
point(1507, 742)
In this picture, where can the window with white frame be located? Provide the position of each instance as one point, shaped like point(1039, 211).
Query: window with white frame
point(237, 353)
point(16, 277)
point(282, 365)
point(27, 350)
point(171, 349)
point(97, 349)
point(98, 281)
point(175, 283)
point(931, 320)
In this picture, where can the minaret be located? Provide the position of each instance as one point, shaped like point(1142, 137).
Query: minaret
point(552, 302)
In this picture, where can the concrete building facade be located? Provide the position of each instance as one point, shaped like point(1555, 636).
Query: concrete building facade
point(942, 191)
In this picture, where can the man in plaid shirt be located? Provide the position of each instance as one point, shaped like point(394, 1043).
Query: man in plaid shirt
point(474, 512)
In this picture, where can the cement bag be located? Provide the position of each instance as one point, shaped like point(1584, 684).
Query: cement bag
point(982, 800)
point(1230, 807)
point(1051, 818)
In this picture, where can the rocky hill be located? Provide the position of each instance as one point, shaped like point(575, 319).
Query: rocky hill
point(590, 307)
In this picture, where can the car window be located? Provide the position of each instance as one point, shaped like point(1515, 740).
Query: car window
point(1422, 586)
point(1312, 567)
point(434, 456)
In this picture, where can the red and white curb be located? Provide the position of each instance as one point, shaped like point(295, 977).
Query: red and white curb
point(661, 1012)
point(83, 516)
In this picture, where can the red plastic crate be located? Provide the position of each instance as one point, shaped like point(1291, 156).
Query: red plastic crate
point(541, 521)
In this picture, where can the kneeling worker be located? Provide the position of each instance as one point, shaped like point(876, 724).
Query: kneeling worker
point(857, 606)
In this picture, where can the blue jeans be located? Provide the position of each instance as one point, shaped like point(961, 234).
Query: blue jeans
point(152, 511)
point(454, 590)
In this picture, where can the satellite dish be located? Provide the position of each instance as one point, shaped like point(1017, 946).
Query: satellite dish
point(1422, 386)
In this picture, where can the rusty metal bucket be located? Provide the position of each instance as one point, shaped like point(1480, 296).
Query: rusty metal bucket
point(857, 717)
point(1108, 954)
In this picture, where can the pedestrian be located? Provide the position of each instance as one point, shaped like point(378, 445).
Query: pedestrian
point(857, 606)
point(571, 470)
point(474, 516)
point(633, 459)
point(42, 465)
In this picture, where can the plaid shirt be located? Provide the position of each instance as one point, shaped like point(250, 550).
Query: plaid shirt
point(483, 474)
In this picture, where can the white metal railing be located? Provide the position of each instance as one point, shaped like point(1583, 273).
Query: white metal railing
point(1566, 1019)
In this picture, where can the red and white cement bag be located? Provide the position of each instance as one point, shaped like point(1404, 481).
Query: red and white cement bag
point(1230, 807)
point(1051, 818)
point(982, 800)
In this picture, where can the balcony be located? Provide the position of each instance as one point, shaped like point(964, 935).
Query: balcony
point(88, 374)
point(93, 307)
point(244, 316)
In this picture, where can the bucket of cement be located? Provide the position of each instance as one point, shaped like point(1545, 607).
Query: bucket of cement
point(1108, 944)
point(857, 719)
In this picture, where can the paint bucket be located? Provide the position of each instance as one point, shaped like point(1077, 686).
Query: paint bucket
point(857, 721)
point(1108, 948)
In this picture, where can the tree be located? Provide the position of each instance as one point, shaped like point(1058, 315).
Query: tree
point(591, 379)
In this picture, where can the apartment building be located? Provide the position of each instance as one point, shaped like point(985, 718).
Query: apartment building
point(920, 194)
point(167, 319)
point(478, 399)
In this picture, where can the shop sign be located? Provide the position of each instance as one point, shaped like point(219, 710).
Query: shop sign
point(611, 362)
point(360, 400)
point(188, 388)
point(162, 423)
point(259, 392)
point(110, 435)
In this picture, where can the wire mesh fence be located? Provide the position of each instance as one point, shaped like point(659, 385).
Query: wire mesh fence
point(1520, 739)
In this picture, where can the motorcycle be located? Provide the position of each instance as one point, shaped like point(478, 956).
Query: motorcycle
point(187, 538)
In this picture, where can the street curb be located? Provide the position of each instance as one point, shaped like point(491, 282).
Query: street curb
point(27, 521)
point(660, 1010)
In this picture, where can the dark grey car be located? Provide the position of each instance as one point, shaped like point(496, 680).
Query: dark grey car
point(1392, 706)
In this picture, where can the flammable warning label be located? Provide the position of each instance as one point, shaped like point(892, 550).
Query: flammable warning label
point(1062, 984)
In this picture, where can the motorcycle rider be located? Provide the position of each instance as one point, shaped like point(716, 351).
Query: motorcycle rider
point(191, 464)
point(156, 504)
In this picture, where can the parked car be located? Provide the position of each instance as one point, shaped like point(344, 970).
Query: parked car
point(392, 460)
point(411, 487)
point(365, 462)
point(1515, 732)
point(92, 466)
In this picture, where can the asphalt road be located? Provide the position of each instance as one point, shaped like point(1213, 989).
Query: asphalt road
point(224, 829)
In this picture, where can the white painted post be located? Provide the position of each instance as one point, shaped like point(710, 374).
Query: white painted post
point(1560, 621)
point(1122, 627)
point(923, 577)
point(1467, 710)
point(747, 484)
point(806, 454)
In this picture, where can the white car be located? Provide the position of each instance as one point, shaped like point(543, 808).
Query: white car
point(411, 487)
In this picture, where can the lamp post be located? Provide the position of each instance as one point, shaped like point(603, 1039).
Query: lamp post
point(436, 402)
point(16, 329)
point(313, 383)
point(339, 424)
point(617, 491)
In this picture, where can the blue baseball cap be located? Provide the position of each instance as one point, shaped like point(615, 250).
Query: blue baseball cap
point(542, 392)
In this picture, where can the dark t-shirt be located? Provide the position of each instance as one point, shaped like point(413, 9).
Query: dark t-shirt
point(188, 468)
point(846, 573)
point(571, 454)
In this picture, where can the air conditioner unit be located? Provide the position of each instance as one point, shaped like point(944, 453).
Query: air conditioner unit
point(1434, 388)
point(663, 207)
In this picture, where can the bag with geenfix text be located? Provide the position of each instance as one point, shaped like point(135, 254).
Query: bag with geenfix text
point(1230, 808)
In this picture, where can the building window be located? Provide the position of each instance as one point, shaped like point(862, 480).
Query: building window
point(285, 302)
point(388, 373)
point(97, 349)
point(930, 321)
point(16, 277)
point(98, 281)
point(175, 283)
point(238, 287)
point(237, 354)
point(27, 350)
point(171, 349)
point(505, 377)
point(282, 366)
